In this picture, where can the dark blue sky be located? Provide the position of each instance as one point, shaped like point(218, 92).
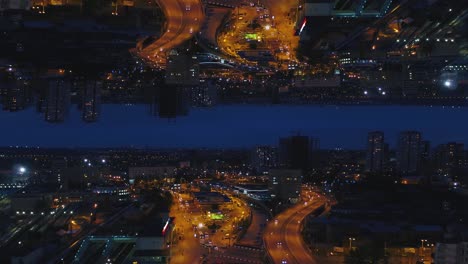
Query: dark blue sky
point(234, 126)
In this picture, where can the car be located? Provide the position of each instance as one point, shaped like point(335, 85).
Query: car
point(187, 7)
point(284, 261)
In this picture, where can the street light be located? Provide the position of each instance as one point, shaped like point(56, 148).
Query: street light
point(22, 170)
point(422, 246)
point(351, 239)
point(448, 83)
point(422, 242)
point(229, 239)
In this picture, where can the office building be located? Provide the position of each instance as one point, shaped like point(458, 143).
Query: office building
point(205, 94)
point(285, 184)
point(450, 155)
point(375, 151)
point(264, 158)
point(182, 69)
point(408, 152)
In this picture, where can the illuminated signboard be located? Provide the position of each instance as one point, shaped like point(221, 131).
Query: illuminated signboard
point(216, 216)
point(251, 36)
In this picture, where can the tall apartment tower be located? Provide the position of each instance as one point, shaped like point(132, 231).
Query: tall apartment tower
point(294, 152)
point(91, 100)
point(408, 152)
point(57, 99)
point(375, 151)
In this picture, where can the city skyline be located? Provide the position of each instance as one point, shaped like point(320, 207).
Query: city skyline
point(210, 129)
point(233, 131)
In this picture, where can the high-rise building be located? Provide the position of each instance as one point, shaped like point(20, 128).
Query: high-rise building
point(182, 74)
point(40, 86)
point(20, 95)
point(205, 94)
point(171, 101)
point(57, 99)
point(314, 151)
point(91, 100)
point(58, 166)
point(294, 152)
point(182, 69)
point(264, 158)
point(450, 155)
point(285, 184)
point(425, 151)
point(375, 151)
point(15, 90)
point(451, 253)
point(409, 151)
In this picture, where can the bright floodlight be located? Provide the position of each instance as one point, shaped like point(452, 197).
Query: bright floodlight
point(448, 83)
point(365, 92)
point(267, 27)
point(103, 161)
point(22, 169)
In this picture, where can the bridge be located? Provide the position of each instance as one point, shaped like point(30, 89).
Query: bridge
point(218, 65)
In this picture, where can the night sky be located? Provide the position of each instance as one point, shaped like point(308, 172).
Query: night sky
point(234, 126)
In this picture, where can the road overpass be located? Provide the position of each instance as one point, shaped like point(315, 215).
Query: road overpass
point(345, 8)
point(183, 20)
point(282, 237)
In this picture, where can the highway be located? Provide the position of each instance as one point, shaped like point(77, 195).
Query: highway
point(282, 237)
point(183, 20)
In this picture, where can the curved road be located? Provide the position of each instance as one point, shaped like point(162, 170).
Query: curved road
point(183, 20)
point(283, 239)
